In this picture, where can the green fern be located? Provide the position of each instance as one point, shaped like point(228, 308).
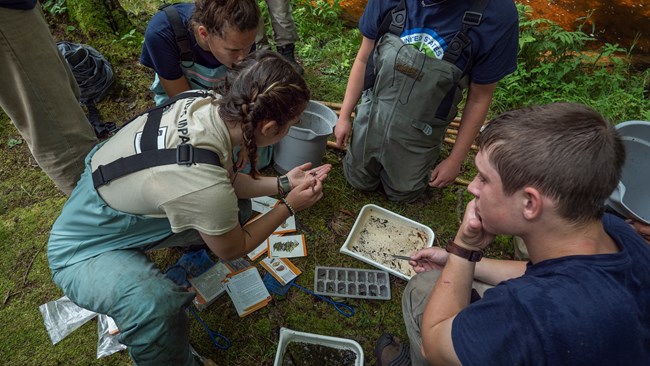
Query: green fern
point(560, 65)
point(55, 7)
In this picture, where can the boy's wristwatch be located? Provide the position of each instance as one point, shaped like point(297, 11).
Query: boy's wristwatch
point(470, 255)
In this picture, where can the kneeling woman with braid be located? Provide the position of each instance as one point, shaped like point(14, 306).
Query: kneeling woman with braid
point(165, 177)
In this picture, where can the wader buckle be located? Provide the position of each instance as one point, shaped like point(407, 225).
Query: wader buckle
point(185, 154)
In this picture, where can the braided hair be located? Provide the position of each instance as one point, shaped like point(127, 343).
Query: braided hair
point(262, 87)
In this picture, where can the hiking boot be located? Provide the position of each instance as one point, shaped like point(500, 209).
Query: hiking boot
point(390, 352)
point(287, 52)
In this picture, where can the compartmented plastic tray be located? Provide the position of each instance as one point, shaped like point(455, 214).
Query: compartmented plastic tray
point(352, 282)
point(377, 233)
point(287, 336)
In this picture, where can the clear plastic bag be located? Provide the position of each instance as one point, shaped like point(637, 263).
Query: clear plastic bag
point(62, 317)
point(107, 342)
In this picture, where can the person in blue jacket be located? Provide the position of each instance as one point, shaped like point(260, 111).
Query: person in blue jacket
point(191, 46)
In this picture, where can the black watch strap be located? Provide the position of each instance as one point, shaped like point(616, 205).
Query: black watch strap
point(470, 255)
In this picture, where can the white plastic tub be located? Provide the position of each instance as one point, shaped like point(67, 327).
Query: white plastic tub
point(383, 260)
point(287, 336)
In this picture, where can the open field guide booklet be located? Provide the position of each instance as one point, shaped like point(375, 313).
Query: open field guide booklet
point(247, 291)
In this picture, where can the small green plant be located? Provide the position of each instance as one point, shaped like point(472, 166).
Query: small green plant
point(14, 142)
point(55, 7)
point(325, 10)
point(132, 38)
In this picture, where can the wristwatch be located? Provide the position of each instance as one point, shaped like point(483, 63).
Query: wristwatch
point(470, 255)
point(284, 186)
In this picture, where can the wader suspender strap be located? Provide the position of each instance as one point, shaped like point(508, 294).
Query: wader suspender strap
point(182, 37)
point(457, 46)
point(398, 20)
point(461, 40)
point(394, 24)
point(150, 156)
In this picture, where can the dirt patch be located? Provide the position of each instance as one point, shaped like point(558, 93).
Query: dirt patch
point(306, 354)
point(341, 224)
point(620, 21)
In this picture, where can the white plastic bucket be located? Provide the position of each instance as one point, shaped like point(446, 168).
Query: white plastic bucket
point(307, 140)
point(288, 335)
point(631, 198)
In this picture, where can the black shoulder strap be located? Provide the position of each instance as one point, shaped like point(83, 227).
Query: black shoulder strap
point(393, 22)
point(181, 35)
point(149, 140)
point(150, 156)
point(457, 46)
point(461, 40)
point(397, 21)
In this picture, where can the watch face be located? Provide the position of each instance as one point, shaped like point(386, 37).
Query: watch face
point(283, 181)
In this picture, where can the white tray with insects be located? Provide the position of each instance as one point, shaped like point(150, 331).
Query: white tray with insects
point(378, 233)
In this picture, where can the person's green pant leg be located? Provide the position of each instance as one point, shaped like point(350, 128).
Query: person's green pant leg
point(39, 94)
point(361, 165)
point(401, 121)
point(148, 308)
point(390, 148)
point(284, 28)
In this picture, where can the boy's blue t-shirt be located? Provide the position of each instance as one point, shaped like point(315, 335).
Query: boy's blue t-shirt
point(576, 310)
point(18, 4)
point(431, 28)
point(160, 52)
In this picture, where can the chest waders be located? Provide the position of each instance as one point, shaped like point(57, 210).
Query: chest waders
point(97, 256)
point(404, 113)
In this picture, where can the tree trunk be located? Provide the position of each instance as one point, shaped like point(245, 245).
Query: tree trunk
point(99, 18)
